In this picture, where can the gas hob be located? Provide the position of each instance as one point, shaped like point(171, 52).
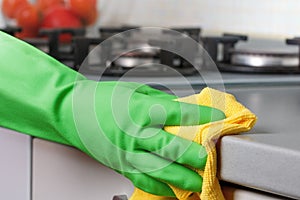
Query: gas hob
point(124, 48)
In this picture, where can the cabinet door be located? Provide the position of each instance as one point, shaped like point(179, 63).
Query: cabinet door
point(62, 172)
point(15, 165)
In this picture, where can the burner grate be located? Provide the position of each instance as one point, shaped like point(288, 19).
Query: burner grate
point(144, 62)
point(254, 61)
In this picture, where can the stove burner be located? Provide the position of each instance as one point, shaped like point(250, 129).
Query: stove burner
point(147, 60)
point(261, 59)
point(251, 61)
point(136, 58)
point(226, 67)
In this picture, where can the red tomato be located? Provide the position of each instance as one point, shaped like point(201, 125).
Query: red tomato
point(28, 17)
point(10, 7)
point(61, 17)
point(82, 7)
point(45, 4)
point(91, 17)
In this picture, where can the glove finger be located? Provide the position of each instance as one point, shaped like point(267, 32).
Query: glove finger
point(173, 148)
point(154, 110)
point(149, 184)
point(167, 171)
point(161, 111)
point(179, 113)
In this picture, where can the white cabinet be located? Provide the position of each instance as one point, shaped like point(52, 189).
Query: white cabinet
point(62, 172)
point(15, 165)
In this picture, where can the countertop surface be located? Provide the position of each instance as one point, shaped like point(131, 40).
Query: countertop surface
point(267, 157)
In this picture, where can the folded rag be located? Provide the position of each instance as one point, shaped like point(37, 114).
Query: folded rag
point(238, 119)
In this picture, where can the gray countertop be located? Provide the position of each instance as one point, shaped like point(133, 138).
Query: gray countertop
point(268, 157)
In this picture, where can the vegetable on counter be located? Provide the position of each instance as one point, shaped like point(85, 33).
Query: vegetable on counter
point(49, 14)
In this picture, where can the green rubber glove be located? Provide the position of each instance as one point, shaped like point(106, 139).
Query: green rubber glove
point(117, 123)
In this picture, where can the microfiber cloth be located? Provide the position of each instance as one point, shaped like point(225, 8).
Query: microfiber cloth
point(238, 119)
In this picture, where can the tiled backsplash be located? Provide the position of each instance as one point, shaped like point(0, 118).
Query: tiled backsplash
point(263, 18)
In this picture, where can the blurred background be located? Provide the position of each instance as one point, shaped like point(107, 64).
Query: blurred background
point(267, 18)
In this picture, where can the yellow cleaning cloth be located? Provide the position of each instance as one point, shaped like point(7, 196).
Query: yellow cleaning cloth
point(238, 119)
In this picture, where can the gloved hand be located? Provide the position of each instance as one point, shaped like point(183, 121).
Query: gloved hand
point(117, 123)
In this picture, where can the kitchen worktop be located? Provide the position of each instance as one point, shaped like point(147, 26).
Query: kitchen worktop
point(268, 157)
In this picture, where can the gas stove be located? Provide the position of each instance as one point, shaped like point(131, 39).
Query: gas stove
point(149, 56)
point(177, 58)
point(230, 52)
